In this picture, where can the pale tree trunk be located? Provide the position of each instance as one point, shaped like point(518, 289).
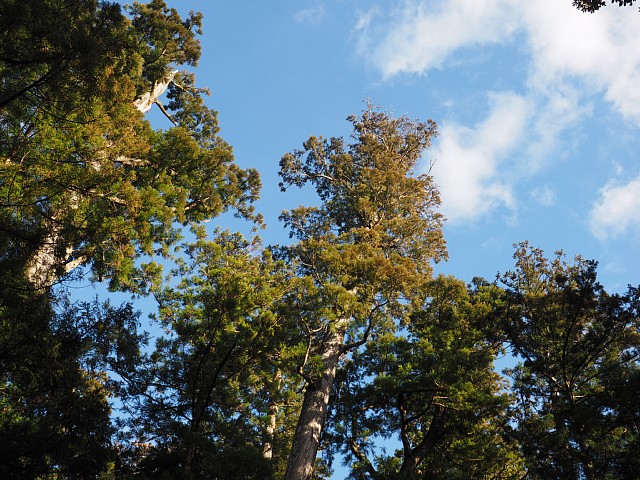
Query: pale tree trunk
point(306, 439)
point(272, 417)
point(43, 267)
point(53, 258)
point(145, 101)
point(270, 432)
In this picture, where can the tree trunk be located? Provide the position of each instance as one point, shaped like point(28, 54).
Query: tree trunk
point(272, 417)
point(425, 447)
point(270, 432)
point(314, 410)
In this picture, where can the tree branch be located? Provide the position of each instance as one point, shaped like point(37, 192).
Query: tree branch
point(166, 114)
point(353, 446)
point(145, 101)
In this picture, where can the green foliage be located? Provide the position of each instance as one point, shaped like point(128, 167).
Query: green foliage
point(54, 389)
point(361, 254)
point(370, 244)
point(433, 389)
point(83, 175)
point(204, 388)
point(85, 180)
point(579, 347)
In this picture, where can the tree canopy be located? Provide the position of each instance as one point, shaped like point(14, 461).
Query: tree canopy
point(579, 347)
point(269, 362)
point(87, 180)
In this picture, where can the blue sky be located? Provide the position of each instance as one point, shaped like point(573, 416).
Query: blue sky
point(538, 107)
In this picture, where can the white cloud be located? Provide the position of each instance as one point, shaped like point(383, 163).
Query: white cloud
point(313, 15)
point(617, 210)
point(564, 44)
point(469, 162)
point(574, 58)
point(419, 38)
point(601, 50)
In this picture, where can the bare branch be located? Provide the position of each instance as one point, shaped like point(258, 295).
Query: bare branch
point(145, 101)
point(166, 114)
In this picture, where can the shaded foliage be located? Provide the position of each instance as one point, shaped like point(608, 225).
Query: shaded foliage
point(432, 393)
point(580, 348)
point(54, 399)
point(200, 402)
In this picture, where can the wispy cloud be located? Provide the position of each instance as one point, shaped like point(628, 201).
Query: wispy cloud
point(617, 210)
point(562, 42)
point(365, 19)
point(418, 37)
point(544, 196)
point(313, 15)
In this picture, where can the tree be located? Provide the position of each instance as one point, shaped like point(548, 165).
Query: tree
point(594, 5)
point(580, 348)
point(55, 410)
point(368, 246)
point(199, 404)
point(86, 181)
point(433, 389)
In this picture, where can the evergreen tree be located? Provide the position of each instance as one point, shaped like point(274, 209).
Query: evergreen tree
point(579, 348)
point(200, 403)
point(433, 390)
point(85, 181)
point(363, 251)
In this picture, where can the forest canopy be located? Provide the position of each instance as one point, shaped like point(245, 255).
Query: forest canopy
point(272, 361)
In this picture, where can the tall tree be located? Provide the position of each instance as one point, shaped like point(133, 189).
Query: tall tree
point(200, 402)
point(85, 178)
point(85, 181)
point(366, 248)
point(433, 390)
point(580, 351)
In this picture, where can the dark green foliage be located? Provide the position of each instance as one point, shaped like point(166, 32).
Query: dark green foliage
point(254, 338)
point(594, 5)
point(85, 180)
point(201, 395)
point(432, 390)
point(55, 413)
point(576, 414)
